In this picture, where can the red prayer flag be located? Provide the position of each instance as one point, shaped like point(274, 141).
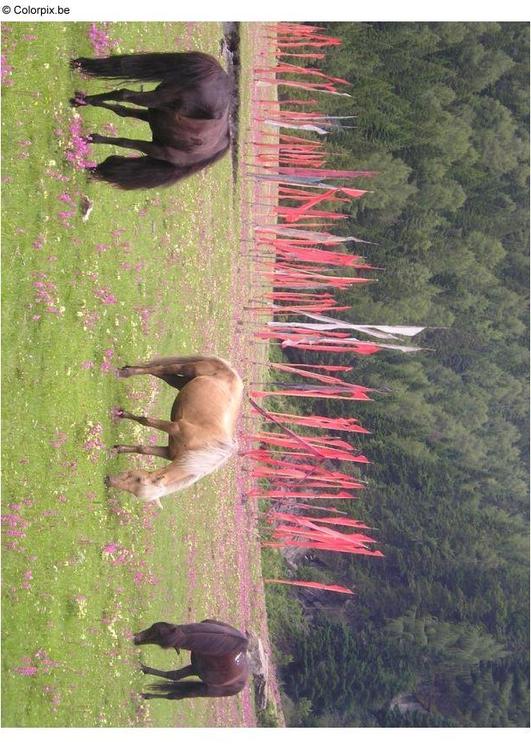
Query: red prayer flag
point(311, 584)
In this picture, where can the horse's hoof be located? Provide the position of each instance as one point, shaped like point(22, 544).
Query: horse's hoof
point(75, 64)
point(79, 99)
point(95, 138)
point(123, 372)
point(107, 481)
point(143, 668)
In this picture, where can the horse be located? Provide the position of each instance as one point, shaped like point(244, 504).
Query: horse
point(219, 658)
point(201, 427)
point(188, 113)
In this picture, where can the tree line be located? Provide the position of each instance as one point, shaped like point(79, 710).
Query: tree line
point(442, 114)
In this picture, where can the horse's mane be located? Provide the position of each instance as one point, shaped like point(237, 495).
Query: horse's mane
point(205, 460)
point(195, 464)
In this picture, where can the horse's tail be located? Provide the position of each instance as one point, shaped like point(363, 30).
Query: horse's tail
point(145, 172)
point(152, 66)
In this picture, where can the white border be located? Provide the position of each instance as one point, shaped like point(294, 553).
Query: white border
point(276, 10)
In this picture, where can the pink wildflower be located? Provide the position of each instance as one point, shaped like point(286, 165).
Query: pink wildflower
point(7, 72)
point(45, 291)
point(107, 357)
point(59, 439)
point(78, 151)
point(105, 296)
point(26, 671)
point(110, 128)
point(99, 39)
point(94, 444)
point(90, 319)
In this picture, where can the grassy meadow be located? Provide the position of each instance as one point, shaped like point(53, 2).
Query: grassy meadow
point(149, 272)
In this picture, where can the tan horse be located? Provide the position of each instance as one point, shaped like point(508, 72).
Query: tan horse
point(201, 430)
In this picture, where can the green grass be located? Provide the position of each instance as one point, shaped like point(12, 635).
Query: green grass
point(68, 605)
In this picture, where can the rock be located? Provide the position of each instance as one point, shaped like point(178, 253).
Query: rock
point(259, 668)
point(406, 703)
point(85, 206)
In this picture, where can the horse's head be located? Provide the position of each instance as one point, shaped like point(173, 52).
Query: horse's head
point(160, 633)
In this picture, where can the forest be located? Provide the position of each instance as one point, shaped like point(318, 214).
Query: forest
point(442, 114)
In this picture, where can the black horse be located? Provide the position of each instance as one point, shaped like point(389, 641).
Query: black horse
point(188, 113)
point(219, 658)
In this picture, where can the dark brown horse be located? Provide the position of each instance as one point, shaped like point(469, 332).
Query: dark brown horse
point(219, 658)
point(188, 113)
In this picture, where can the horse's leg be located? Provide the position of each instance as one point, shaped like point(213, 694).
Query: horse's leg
point(157, 424)
point(176, 380)
point(145, 450)
point(146, 147)
point(159, 97)
point(151, 99)
point(80, 99)
point(139, 114)
point(180, 690)
point(96, 100)
point(177, 674)
point(188, 367)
